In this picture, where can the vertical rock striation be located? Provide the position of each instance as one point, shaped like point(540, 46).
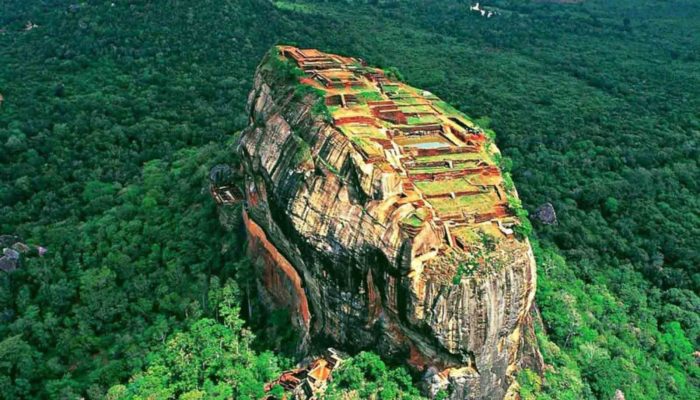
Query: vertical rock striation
point(378, 216)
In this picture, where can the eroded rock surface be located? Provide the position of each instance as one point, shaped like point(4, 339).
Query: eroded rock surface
point(378, 216)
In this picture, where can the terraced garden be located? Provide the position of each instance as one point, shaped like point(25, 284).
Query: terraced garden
point(439, 154)
point(437, 187)
point(469, 204)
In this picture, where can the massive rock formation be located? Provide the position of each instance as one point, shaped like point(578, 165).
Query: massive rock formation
point(378, 216)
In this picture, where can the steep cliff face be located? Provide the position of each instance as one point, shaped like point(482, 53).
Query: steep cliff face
point(378, 216)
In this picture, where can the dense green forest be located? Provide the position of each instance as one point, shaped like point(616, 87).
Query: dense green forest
point(114, 111)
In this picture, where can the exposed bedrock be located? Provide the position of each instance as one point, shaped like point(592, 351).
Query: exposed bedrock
point(325, 237)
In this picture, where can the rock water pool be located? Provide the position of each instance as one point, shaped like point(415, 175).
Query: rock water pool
point(429, 145)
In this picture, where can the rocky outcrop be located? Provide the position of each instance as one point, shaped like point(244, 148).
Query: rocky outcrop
point(14, 250)
point(546, 214)
point(361, 257)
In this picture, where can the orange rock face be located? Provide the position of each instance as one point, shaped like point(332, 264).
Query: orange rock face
point(279, 277)
point(380, 218)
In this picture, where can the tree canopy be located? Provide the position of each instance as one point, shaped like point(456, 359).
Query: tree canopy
point(112, 114)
